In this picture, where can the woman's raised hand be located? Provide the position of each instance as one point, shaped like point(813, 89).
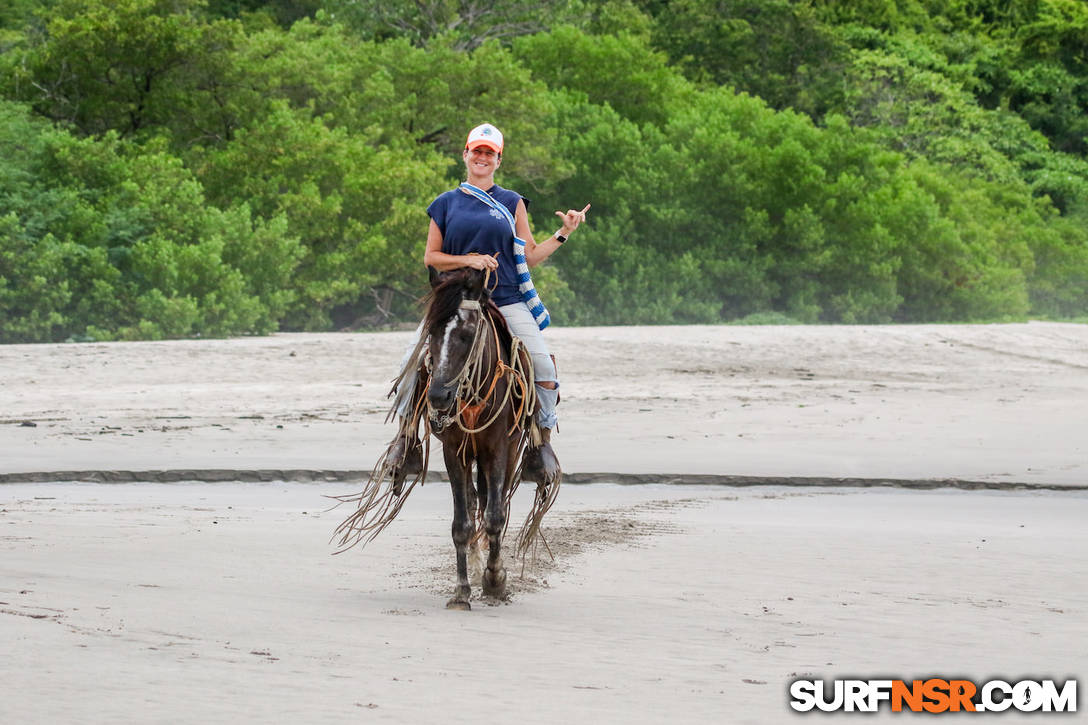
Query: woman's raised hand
point(572, 219)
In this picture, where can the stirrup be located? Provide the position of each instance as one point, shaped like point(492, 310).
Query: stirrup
point(540, 464)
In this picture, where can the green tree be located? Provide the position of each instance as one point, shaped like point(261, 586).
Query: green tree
point(778, 50)
point(358, 210)
point(129, 65)
point(16, 13)
point(284, 12)
point(1050, 89)
point(108, 238)
point(468, 24)
point(621, 71)
point(33, 291)
point(1059, 283)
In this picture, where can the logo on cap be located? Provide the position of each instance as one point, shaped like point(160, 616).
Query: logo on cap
point(485, 135)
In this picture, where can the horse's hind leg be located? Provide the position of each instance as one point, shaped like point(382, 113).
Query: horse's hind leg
point(463, 528)
point(494, 579)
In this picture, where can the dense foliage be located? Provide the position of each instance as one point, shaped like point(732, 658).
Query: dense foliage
point(173, 168)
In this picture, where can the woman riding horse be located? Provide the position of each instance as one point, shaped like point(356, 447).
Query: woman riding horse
point(482, 226)
point(478, 403)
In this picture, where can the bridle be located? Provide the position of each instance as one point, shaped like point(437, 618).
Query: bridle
point(476, 383)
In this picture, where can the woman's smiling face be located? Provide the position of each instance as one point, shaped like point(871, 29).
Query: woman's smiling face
point(481, 161)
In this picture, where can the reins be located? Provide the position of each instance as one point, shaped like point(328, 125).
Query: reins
point(474, 377)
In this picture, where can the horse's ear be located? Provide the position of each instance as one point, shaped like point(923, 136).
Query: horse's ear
point(474, 284)
point(432, 275)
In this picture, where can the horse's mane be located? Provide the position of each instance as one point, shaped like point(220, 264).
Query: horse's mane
point(445, 297)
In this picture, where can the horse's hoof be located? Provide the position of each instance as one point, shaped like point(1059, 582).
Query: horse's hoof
point(494, 584)
point(459, 604)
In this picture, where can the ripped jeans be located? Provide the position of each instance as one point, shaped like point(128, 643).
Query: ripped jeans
point(522, 325)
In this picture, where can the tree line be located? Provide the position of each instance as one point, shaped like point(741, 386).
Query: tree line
point(178, 168)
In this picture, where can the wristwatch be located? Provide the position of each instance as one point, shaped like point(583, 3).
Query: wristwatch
point(559, 237)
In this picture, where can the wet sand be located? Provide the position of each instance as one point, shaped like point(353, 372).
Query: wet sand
point(199, 602)
point(221, 603)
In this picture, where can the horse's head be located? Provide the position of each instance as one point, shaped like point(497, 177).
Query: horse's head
point(452, 324)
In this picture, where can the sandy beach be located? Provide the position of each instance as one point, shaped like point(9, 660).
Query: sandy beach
point(997, 403)
point(852, 549)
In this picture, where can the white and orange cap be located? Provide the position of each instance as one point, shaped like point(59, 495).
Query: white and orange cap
point(485, 135)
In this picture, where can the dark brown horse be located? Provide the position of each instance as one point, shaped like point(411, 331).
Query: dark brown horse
point(475, 394)
point(477, 407)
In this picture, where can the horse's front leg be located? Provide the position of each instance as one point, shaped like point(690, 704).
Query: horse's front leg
point(494, 578)
point(463, 525)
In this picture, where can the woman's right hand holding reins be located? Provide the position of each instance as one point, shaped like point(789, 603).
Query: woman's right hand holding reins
point(481, 261)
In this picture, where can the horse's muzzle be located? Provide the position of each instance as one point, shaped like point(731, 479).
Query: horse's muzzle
point(440, 398)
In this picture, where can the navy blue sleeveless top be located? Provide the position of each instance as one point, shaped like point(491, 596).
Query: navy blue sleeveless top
point(469, 225)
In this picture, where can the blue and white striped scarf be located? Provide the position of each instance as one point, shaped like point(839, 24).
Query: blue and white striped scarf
point(525, 282)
